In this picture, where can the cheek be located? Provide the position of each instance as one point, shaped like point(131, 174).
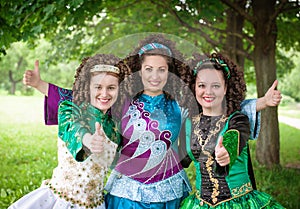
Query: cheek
point(199, 94)
point(114, 93)
point(221, 93)
point(199, 91)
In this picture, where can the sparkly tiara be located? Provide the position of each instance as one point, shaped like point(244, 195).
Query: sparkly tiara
point(105, 68)
point(152, 46)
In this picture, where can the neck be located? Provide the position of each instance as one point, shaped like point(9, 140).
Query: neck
point(153, 94)
point(210, 112)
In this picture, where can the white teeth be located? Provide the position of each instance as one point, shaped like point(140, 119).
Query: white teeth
point(154, 83)
point(208, 99)
point(103, 100)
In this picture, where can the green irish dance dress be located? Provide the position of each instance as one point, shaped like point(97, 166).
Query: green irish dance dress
point(222, 187)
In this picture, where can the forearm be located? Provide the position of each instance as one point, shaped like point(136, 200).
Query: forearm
point(261, 104)
point(43, 87)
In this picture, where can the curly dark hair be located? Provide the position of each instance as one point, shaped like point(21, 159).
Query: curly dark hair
point(236, 86)
point(178, 69)
point(81, 85)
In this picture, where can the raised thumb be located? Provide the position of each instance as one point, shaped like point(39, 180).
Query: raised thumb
point(36, 66)
point(97, 128)
point(274, 85)
point(220, 142)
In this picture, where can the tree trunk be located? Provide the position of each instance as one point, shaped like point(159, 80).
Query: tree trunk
point(267, 149)
point(13, 83)
point(13, 88)
point(234, 42)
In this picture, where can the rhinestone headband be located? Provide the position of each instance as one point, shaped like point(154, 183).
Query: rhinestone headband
point(105, 68)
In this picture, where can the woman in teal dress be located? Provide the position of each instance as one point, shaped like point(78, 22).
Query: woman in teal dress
point(217, 140)
point(148, 173)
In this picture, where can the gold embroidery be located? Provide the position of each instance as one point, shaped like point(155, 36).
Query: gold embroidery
point(99, 200)
point(242, 189)
point(210, 160)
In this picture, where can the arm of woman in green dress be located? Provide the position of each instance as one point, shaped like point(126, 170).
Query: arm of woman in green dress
point(72, 128)
point(233, 140)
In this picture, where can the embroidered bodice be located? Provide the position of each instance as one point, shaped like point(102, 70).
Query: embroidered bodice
point(150, 130)
point(216, 183)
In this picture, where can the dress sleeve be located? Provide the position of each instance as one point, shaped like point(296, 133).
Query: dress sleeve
point(236, 137)
point(55, 96)
point(72, 128)
point(249, 108)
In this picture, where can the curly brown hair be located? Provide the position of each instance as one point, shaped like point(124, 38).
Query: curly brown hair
point(236, 86)
point(81, 85)
point(174, 89)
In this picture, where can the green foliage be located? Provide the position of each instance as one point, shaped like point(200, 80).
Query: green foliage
point(77, 28)
point(20, 58)
point(288, 24)
point(291, 85)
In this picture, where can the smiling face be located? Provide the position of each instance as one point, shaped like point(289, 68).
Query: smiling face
point(154, 74)
point(104, 90)
point(210, 91)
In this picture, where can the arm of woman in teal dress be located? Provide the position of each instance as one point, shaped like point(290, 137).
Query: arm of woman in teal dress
point(55, 96)
point(252, 108)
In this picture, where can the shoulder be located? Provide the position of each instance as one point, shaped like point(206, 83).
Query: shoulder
point(66, 105)
point(238, 119)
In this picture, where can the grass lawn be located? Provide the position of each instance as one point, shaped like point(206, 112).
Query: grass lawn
point(28, 153)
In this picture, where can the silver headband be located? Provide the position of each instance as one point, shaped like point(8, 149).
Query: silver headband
point(105, 68)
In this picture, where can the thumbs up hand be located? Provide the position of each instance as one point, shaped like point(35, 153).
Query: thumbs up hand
point(32, 77)
point(95, 142)
point(222, 156)
point(273, 96)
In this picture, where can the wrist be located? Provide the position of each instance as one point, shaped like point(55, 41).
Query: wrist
point(261, 103)
point(43, 87)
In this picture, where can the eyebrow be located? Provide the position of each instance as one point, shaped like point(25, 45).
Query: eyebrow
point(211, 83)
point(158, 67)
point(99, 84)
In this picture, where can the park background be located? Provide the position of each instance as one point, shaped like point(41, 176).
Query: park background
point(262, 36)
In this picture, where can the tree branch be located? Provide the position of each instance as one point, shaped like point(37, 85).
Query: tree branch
point(277, 11)
point(239, 10)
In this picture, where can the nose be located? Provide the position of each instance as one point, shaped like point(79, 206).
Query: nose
point(208, 90)
point(154, 74)
point(103, 92)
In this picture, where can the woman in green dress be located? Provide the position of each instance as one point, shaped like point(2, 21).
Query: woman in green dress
point(217, 140)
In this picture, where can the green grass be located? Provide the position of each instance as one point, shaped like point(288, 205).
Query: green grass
point(28, 154)
point(292, 110)
point(27, 147)
point(283, 181)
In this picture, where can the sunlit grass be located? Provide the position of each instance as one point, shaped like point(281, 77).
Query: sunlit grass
point(27, 147)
